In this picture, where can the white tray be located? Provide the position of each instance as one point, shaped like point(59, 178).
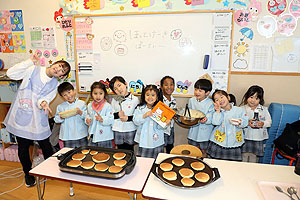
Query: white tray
point(270, 193)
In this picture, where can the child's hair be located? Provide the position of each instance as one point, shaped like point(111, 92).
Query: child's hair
point(220, 92)
point(65, 86)
point(65, 65)
point(161, 85)
point(114, 79)
point(251, 91)
point(203, 84)
point(100, 86)
point(149, 87)
point(232, 99)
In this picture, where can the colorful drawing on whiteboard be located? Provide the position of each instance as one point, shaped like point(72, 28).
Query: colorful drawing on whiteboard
point(295, 8)
point(247, 33)
point(183, 87)
point(241, 48)
point(240, 3)
point(276, 7)
point(106, 84)
point(195, 2)
point(136, 87)
point(16, 20)
point(208, 77)
point(69, 6)
point(255, 9)
point(169, 5)
point(142, 3)
point(105, 43)
point(286, 24)
point(58, 16)
point(119, 36)
point(242, 17)
point(266, 26)
point(240, 64)
point(121, 50)
point(118, 1)
point(176, 34)
point(185, 42)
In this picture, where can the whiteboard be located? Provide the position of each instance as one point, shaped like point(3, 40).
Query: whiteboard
point(147, 47)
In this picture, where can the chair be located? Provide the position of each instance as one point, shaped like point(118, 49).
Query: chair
point(186, 150)
point(276, 150)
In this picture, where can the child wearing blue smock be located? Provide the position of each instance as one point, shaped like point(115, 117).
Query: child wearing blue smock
point(73, 130)
point(199, 135)
point(227, 137)
point(27, 117)
point(100, 118)
point(150, 136)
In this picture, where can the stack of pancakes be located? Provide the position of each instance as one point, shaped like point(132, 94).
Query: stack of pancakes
point(99, 161)
point(188, 174)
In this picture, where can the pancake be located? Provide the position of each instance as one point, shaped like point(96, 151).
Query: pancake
point(202, 177)
point(186, 172)
point(120, 163)
point(178, 162)
point(166, 166)
point(171, 176)
point(93, 152)
point(85, 151)
point(187, 181)
point(114, 169)
point(101, 167)
point(87, 164)
point(78, 156)
point(100, 157)
point(74, 163)
point(119, 155)
point(197, 166)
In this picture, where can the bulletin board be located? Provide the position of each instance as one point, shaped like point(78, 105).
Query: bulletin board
point(144, 47)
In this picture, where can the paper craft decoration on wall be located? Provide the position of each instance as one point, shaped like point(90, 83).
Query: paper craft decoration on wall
point(48, 37)
point(295, 8)
point(69, 39)
point(36, 37)
point(255, 9)
point(6, 43)
point(266, 26)
point(66, 23)
point(142, 3)
point(5, 21)
point(286, 24)
point(16, 20)
point(194, 2)
point(242, 17)
point(136, 87)
point(276, 7)
point(183, 87)
point(94, 4)
point(247, 33)
point(19, 42)
point(58, 16)
point(69, 6)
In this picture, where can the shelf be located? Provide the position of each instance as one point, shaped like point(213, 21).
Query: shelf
point(5, 102)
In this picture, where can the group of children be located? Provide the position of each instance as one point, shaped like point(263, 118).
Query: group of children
point(226, 132)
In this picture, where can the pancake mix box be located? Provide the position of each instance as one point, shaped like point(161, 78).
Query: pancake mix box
point(161, 113)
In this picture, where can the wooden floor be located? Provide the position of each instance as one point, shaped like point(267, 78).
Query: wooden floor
point(54, 190)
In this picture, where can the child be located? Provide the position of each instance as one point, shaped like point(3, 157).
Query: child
point(28, 115)
point(151, 134)
point(100, 117)
point(256, 131)
point(167, 85)
point(199, 135)
point(73, 130)
point(123, 126)
point(227, 137)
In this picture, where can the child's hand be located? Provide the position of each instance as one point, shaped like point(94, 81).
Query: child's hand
point(124, 118)
point(121, 114)
point(147, 114)
point(88, 121)
point(79, 112)
point(35, 58)
point(45, 107)
point(251, 124)
point(203, 120)
point(217, 107)
point(99, 118)
point(259, 124)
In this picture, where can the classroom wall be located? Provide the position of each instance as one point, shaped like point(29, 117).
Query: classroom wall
point(278, 88)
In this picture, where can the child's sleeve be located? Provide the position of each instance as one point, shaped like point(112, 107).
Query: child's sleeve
point(244, 118)
point(88, 113)
point(209, 114)
point(20, 70)
point(84, 110)
point(57, 118)
point(268, 119)
point(138, 117)
point(217, 118)
point(108, 119)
